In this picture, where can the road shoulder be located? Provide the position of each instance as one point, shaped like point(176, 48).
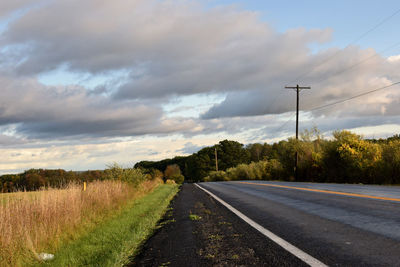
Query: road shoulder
point(198, 231)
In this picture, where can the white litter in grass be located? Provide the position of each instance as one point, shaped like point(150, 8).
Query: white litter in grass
point(46, 256)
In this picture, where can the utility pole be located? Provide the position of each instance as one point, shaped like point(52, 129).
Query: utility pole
point(216, 159)
point(298, 89)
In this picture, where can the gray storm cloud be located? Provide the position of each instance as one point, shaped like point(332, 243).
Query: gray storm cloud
point(8, 7)
point(176, 48)
point(43, 112)
point(10, 140)
point(173, 49)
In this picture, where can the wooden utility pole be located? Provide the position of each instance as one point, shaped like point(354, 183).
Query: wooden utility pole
point(298, 89)
point(216, 159)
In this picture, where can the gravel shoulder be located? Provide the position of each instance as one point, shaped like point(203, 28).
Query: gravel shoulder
point(198, 231)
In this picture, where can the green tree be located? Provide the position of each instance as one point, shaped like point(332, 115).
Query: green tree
point(310, 151)
point(255, 151)
point(231, 153)
point(390, 164)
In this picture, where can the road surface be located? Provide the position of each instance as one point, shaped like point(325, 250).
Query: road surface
point(215, 237)
point(337, 224)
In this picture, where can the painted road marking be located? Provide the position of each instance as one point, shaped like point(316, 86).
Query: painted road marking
point(324, 191)
point(281, 242)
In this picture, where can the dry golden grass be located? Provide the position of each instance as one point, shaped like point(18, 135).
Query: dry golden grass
point(34, 222)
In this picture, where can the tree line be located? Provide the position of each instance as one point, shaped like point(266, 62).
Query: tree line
point(344, 158)
point(35, 179)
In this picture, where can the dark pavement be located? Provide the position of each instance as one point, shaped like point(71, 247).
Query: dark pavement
point(212, 236)
point(338, 230)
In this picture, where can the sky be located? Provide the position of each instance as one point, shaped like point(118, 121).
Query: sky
point(84, 84)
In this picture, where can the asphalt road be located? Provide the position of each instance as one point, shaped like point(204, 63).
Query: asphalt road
point(215, 237)
point(322, 219)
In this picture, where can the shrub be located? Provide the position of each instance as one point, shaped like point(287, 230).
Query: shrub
point(156, 174)
point(131, 175)
point(350, 159)
point(173, 172)
point(216, 176)
point(252, 171)
point(390, 164)
point(274, 170)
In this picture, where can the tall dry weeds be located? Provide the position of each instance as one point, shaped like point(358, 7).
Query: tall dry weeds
point(33, 222)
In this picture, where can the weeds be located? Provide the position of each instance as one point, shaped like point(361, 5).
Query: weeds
point(194, 217)
point(115, 241)
point(37, 222)
point(216, 237)
point(207, 211)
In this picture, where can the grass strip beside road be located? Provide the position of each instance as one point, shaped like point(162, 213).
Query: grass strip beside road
point(112, 242)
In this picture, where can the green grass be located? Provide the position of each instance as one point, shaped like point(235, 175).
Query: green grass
point(113, 241)
point(194, 217)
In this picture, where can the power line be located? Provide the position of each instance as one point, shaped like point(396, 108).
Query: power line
point(297, 89)
point(353, 97)
point(351, 43)
point(335, 103)
point(350, 67)
point(284, 124)
point(361, 61)
point(376, 26)
point(358, 63)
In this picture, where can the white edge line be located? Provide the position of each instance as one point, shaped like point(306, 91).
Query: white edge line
point(281, 242)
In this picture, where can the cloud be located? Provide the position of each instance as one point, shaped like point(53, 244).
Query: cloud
point(189, 148)
point(40, 111)
point(394, 58)
point(374, 126)
point(181, 48)
point(186, 50)
point(78, 156)
point(346, 74)
point(6, 140)
point(7, 7)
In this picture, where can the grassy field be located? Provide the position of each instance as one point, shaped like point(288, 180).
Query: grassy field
point(6, 197)
point(47, 220)
point(116, 239)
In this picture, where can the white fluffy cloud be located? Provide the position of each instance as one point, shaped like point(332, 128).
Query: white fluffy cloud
point(331, 80)
point(394, 58)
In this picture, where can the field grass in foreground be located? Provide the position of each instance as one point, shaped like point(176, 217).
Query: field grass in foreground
point(42, 221)
point(113, 241)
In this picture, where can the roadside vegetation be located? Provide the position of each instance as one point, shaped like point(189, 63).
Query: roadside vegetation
point(59, 220)
point(116, 241)
point(344, 158)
